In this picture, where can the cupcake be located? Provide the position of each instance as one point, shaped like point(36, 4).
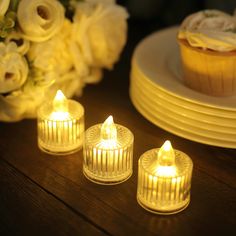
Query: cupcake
point(207, 42)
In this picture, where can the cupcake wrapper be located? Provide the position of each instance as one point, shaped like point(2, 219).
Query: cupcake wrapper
point(212, 73)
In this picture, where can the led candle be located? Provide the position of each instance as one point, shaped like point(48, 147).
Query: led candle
point(108, 153)
point(60, 125)
point(164, 180)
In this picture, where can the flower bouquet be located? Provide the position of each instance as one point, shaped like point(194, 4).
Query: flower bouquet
point(47, 45)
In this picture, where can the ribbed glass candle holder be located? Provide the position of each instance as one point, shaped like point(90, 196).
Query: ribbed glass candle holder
point(168, 193)
point(61, 136)
point(108, 163)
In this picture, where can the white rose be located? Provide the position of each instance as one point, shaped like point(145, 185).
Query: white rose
point(53, 54)
point(13, 68)
point(70, 83)
point(22, 103)
point(4, 4)
point(94, 76)
point(23, 45)
point(39, 20)
point(81, 66)
point(99, 31)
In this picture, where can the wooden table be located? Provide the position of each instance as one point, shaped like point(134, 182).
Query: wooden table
point(42, 194)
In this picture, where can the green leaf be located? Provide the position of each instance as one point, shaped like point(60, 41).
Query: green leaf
point(14, 5)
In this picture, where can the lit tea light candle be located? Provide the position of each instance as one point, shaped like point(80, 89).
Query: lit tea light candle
point(60, 125)
point(164, 180)
point(108, 153)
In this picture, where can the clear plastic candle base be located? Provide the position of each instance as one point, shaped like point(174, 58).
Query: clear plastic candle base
point(63, 135)
point(164, 191)
point(163, 210)
point(108, 162)
point(106, 181)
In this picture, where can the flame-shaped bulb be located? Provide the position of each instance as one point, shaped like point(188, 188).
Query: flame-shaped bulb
point(108, 129)
point(108, 134)
point(60, 102)
point(166, 160)
point(60, 107)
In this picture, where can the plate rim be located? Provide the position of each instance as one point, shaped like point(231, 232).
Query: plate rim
point(187, 135)
point(144, 99)
point(197, 98)
point(179, 102)
point(205, 115)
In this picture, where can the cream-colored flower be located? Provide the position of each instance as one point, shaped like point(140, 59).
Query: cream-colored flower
point(13, 68)
point(22, 103)
point(4, 4)
point(94, 76)
point(81, 66)
point(53, 59)
point(39, 20)
point(23, 45)
point(99, 32)
point(53, 54)
point(70, 83)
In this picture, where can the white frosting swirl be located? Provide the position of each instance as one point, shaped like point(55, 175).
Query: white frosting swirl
point(210, 29)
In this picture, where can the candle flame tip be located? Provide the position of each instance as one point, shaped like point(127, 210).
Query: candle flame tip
point(166, 155)
point(60, 102)
point(108, 129)
point(59, 95)
point(109, 120)
point(167, 145)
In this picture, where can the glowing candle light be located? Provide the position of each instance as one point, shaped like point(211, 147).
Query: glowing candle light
point(60, 125)
point(108, 153)
point(164, 180)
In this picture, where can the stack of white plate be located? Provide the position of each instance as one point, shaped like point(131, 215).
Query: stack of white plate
point(159, 94)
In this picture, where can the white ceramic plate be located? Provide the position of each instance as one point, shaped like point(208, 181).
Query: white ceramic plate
point(156, 98)
point(198, 108)
point(165, 114)
point(153, 57)
point(171, 127)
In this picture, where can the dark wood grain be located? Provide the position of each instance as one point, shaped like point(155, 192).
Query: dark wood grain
point(30, 178)
point(62, 176)
point(213, 197)
point(22, 203)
